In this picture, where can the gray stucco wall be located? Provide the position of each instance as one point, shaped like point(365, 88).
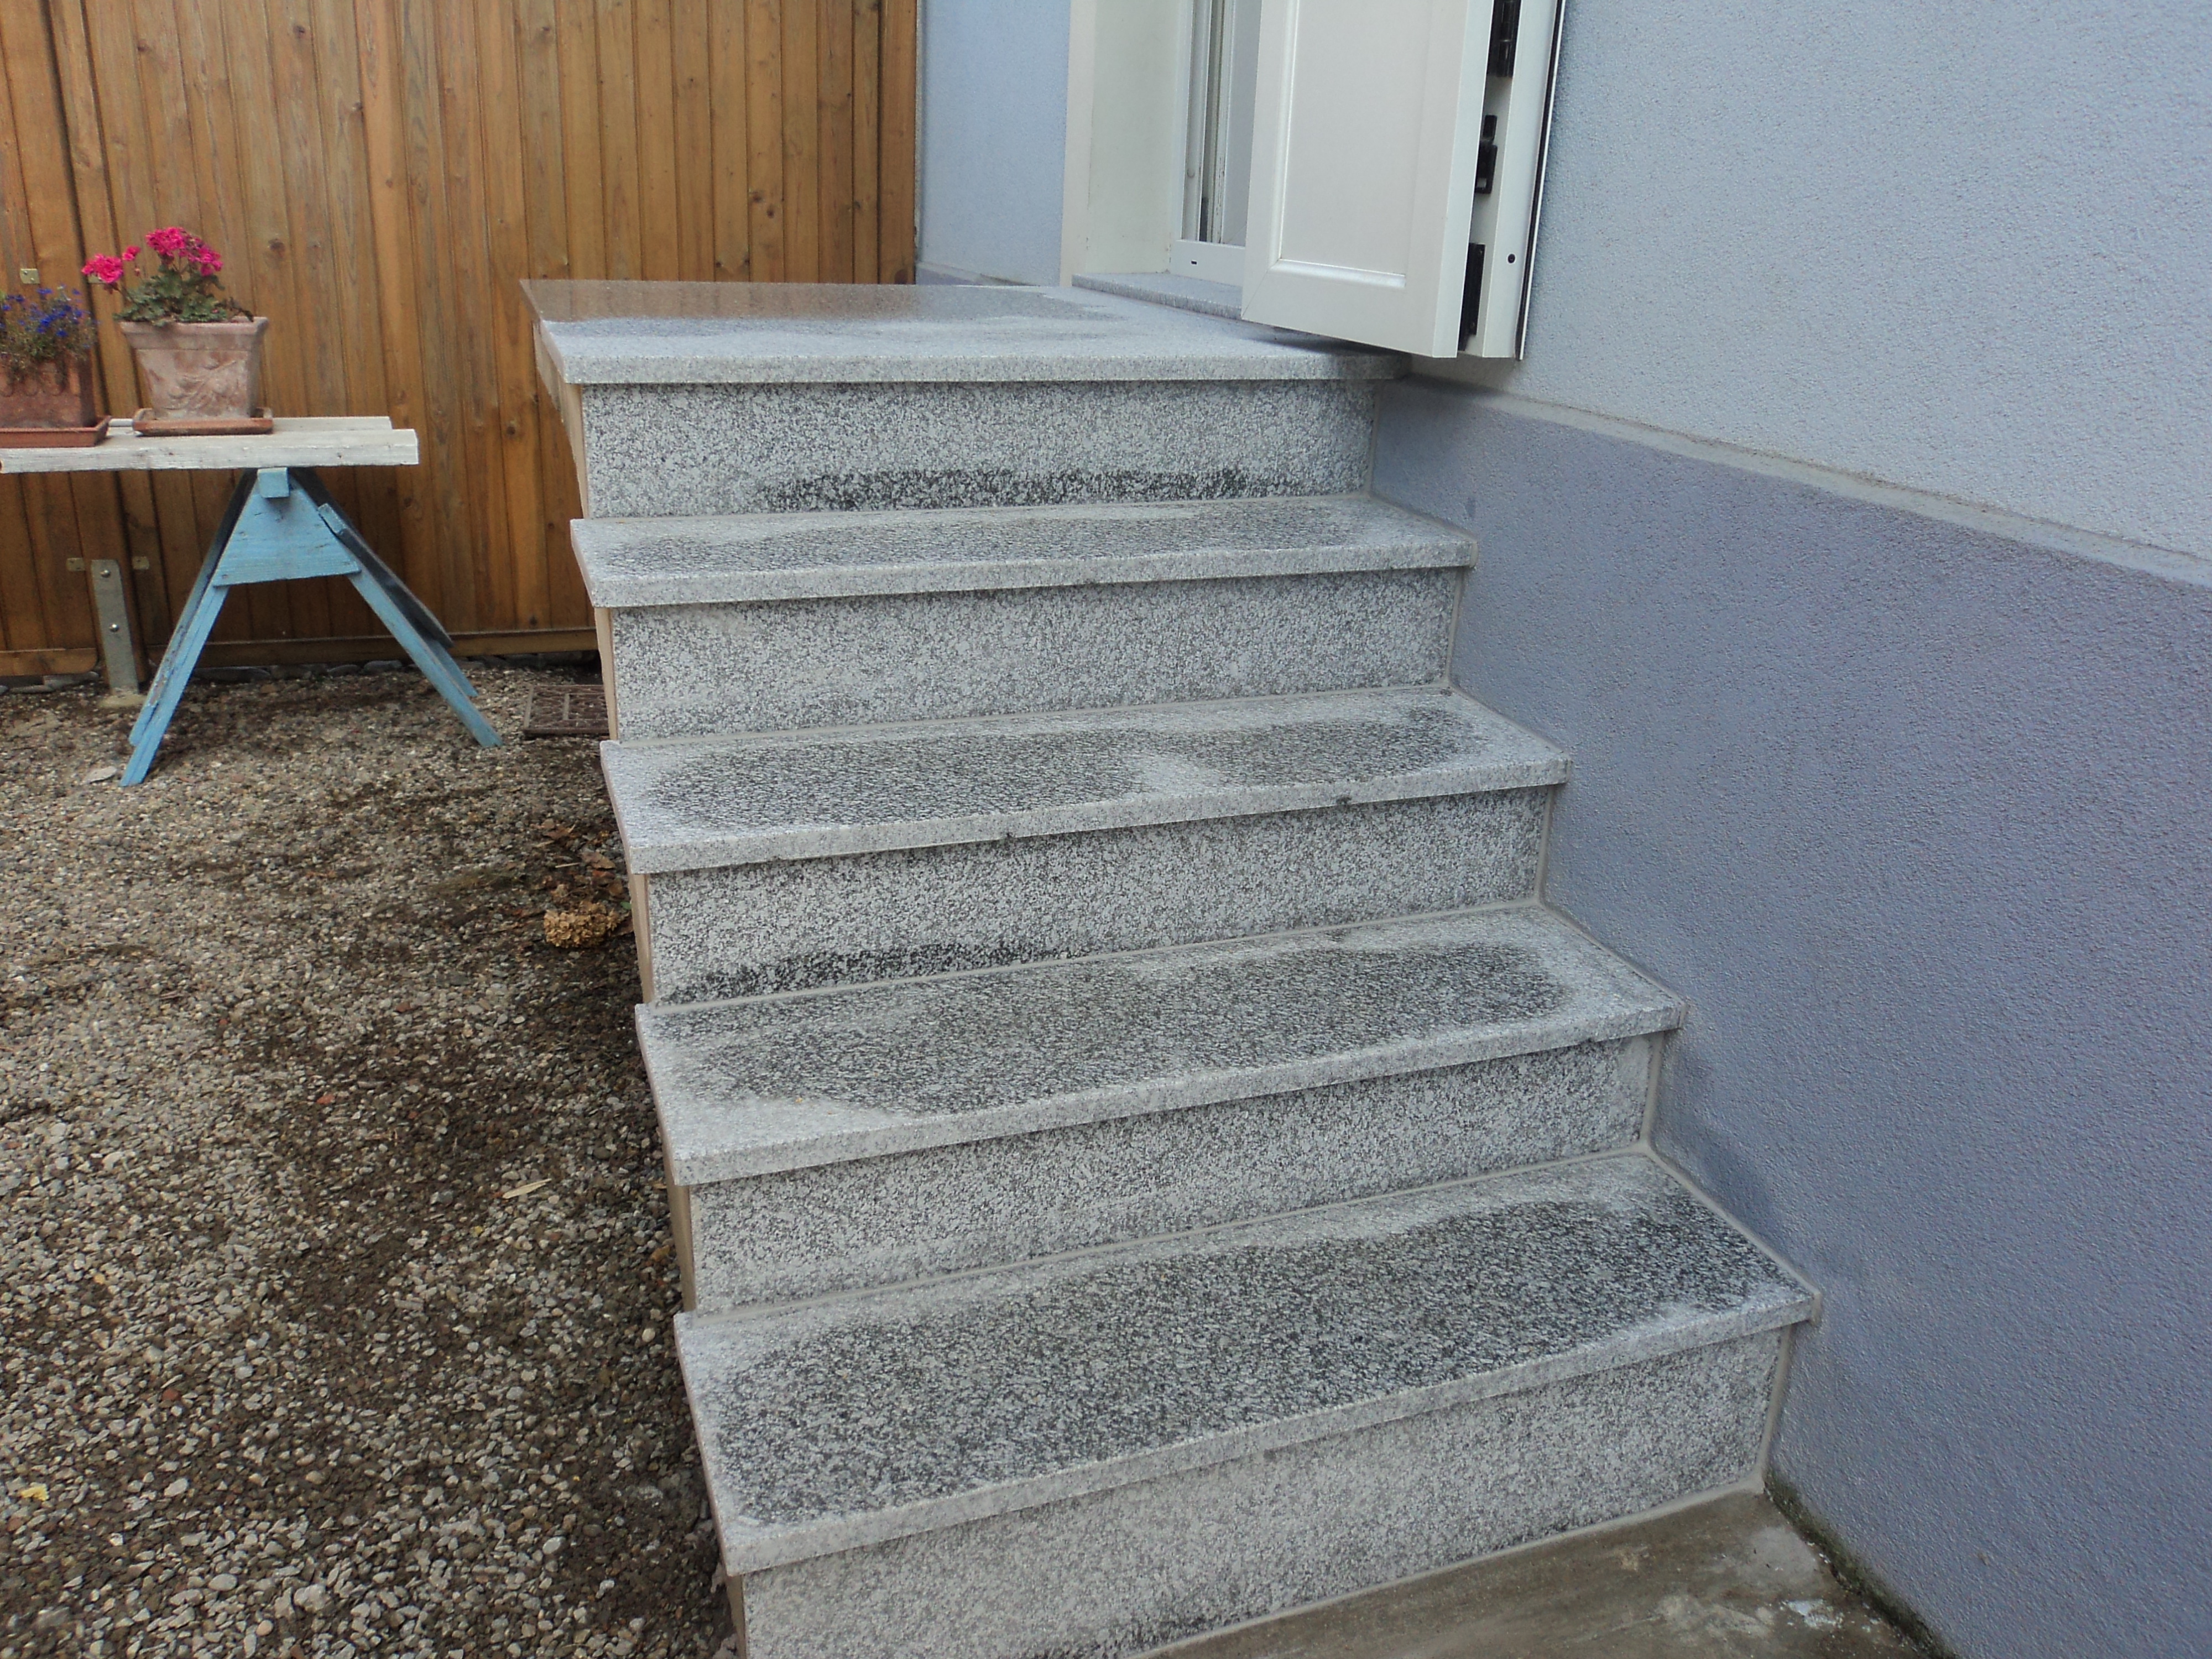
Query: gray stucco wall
point(993, 138)
point(1918, 816)
point(1966, 248)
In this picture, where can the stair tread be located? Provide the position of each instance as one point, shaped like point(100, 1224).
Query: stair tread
point(632, 333)
point(749, 557)
point(810, 1078)
point(704, 803)
point(836, 1423)
point(1162, 288)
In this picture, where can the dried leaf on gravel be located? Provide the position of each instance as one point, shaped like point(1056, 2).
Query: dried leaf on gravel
point(525, 1189)
point(586, 927)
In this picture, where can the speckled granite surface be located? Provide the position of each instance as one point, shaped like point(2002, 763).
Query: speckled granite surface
point(631, 332)
point(1208, 299)
point(753, 929)
point(650, 451)
point(744, 799)
point(797, 556)
point(845, 1226)
point(853, 1420)
point(814, 509)
point(690, 670)
point(1116, 1573)
point(1722, 1575)
point(815, 1078)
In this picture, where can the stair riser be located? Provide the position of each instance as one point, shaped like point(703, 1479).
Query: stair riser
point(882, 1221)
point(691, 670)
point(655, 450)
point(1115, 1573)
point(753, 929)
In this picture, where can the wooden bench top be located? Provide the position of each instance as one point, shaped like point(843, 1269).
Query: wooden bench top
point(298, 440)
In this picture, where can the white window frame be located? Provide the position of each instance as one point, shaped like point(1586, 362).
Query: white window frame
point(1131, 92)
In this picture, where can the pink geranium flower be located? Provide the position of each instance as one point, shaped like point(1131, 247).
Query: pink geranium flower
point(186, 289)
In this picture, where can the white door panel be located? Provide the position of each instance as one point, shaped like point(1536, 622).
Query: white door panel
point(1369, 130)
point(1363, 168)
point(1372, 59)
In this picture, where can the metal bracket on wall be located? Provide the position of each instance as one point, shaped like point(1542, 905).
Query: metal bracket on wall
point(112, 607)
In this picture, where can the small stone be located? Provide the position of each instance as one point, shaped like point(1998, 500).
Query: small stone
point(177, 1488)
point(223, 1582)
point(311, 1598)
point(99, 775)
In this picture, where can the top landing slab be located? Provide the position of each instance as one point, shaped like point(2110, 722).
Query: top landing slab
point(708, 333)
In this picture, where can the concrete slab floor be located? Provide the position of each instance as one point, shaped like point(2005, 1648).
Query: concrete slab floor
point(1726, 1579)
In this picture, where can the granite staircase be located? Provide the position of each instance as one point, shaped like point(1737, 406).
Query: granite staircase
point(1143, 1155)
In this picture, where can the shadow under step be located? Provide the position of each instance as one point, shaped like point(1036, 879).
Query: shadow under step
point(828, 1140)
point(1099, 1453)
point(771, 621)
point(791, 862)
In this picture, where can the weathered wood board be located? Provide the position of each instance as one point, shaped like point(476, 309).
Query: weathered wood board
point(379, 174)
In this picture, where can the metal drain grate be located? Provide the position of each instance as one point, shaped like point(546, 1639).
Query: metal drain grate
point(567, 711)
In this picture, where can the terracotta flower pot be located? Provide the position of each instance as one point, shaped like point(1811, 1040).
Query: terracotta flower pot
point(204, 370)
point(55, 394)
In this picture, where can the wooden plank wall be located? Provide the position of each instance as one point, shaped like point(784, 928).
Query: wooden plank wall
point(378, 174)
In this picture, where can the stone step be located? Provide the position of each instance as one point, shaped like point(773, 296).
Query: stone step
point(751, 557)
point(777, 621)
point(1102, 1452)
point(823, 1141)
point(791, 862)
point(1158, 288)
point(707, 397)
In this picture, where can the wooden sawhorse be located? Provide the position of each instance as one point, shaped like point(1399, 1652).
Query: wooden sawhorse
point(281, 526)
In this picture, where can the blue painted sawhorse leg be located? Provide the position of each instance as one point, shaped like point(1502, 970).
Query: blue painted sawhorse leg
point(281, 526)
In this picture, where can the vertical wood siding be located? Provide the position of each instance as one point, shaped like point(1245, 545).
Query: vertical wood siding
point(379, 175)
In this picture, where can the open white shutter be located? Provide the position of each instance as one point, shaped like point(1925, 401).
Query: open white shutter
point(1370, 146)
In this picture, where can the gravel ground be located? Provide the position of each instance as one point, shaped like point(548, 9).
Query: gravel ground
point(334, 1281)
